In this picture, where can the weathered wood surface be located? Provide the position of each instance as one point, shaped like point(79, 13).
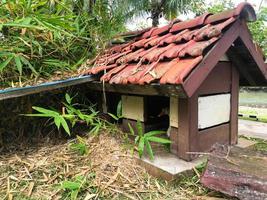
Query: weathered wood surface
point(150, 89)
point(237, 172)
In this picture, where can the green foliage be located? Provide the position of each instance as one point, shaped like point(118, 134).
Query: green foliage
point(118, 115)
point(79, 146)
point(220, 6)
point(58, 118)
point(143, 140)
point(259, 29)
point(155, 8)
point(69, 116)
point(73, 188)
point(40, 37)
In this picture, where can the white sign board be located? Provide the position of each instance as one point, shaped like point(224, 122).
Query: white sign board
point(213, 110)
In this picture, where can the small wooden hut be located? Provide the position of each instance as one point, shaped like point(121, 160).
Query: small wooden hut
point(193, 68)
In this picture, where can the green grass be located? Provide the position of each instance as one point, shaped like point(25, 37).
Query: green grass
point(260, 113)
point(253, 98)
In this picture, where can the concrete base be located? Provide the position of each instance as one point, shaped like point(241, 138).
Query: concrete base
point(244, 143)
point(168, 166)
point(252, 129)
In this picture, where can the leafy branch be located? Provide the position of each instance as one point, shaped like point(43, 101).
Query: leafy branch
point(143, 140)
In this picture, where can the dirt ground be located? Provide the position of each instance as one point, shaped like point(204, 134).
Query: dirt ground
point(108, 170)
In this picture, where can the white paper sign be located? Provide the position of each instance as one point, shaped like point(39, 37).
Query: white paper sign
point(213, 110)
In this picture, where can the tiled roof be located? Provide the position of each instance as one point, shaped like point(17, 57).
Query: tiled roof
point(168, 54)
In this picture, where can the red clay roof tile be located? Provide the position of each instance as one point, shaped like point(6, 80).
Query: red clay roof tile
point(141, 55)
point(141, 43)
point(213, 31)
point(109, 74)
point(155, 54)
point(243, 10)
point(172, 38)
point(179, 70)
point(158, 71)
point(198, 21)
point(139, 74)
point(196, 48)
point(161, 30)
point(129, 57)
point(96, 70)
point(121, 76)
point(167, 54)
point(157, 40)
point(148, 33)
point(174, 51)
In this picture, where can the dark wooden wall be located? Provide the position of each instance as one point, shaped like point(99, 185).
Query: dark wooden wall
point(188, 138)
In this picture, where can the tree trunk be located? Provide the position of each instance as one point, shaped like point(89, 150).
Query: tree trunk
point(155, 12)
point(237, 172)
point(155, 20)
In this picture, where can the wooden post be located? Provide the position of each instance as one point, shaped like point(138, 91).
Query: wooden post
point(102, 104)
point(234, 106)
point(174, 124)
point(187, 131)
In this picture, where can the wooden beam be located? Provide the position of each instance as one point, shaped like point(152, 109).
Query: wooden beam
point(194, 80)
point(147, 90)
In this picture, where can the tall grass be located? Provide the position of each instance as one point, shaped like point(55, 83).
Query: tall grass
point(41, 37)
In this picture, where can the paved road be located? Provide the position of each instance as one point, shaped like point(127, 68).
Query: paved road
point(252, 129)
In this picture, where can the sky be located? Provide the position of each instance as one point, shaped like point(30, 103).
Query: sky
point(144, 21)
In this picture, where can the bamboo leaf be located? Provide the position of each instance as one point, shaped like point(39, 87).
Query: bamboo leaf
point(26, 62)
point(136, 139)
point(119, 109)
point(131, 129)
point(149, 149)
point(139, 128)
point(6, 62)
point(68, 98)
point(159, 140)
point(141, 146)
point(70, 185)
point(57, 122)
point(64, 125)
point(152, 133)
point(113, 116)
point(18, 64)
point(45, 111)
point(38, 115)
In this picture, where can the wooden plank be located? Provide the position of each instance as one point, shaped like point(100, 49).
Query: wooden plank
point(174, 101)
point(18, 92)
point(148, 90)
point(133, 107)
point(208, 137)
point(237, 172)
